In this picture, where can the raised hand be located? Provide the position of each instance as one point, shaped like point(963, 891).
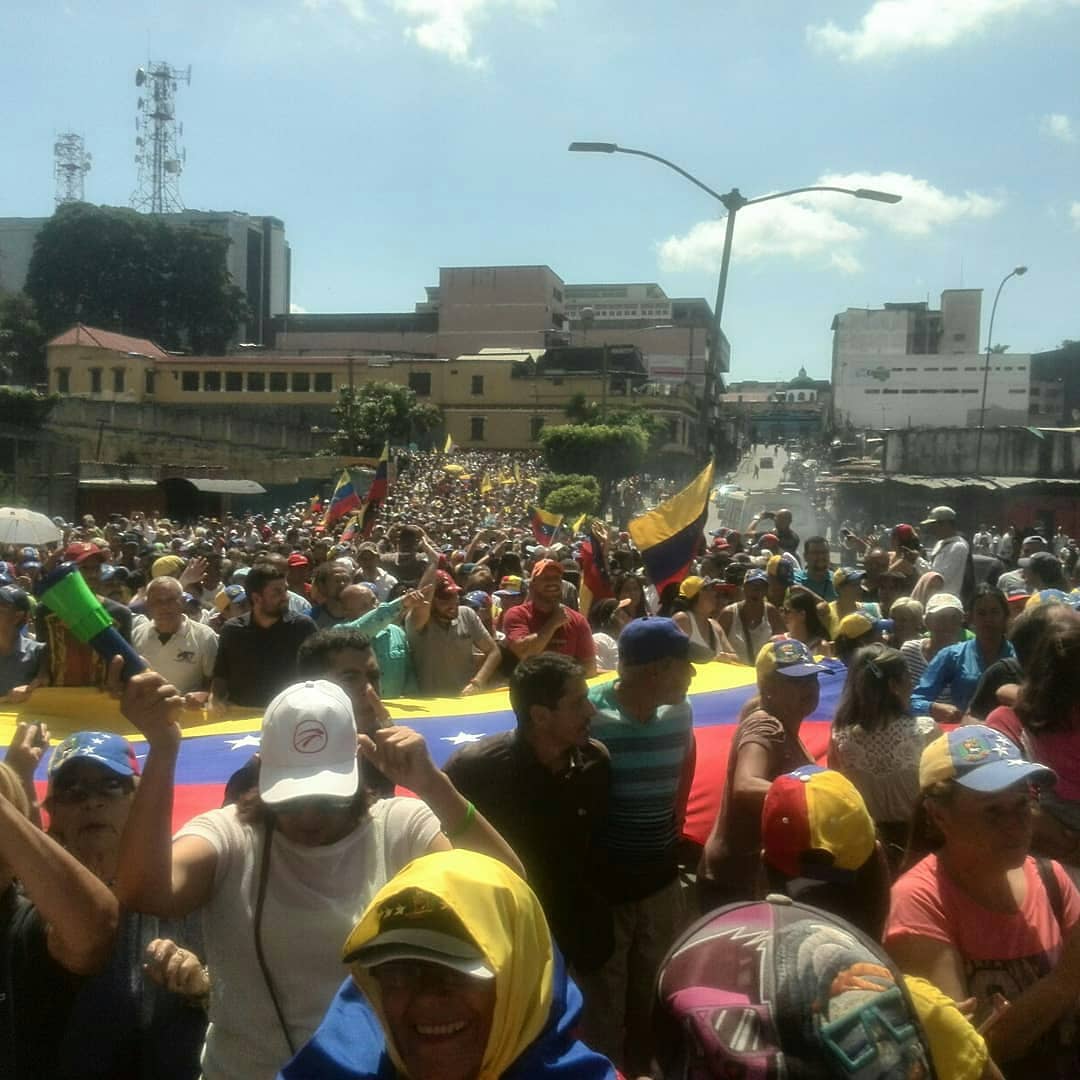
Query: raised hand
point(153, 705)
point(401, 755)
point(27, 745)
point(177, 969)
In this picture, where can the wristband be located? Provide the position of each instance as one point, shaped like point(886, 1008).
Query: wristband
point(470, 817)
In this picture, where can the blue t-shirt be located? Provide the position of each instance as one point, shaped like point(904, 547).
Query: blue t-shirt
point(958, 667)
point(20, 665)
point(822, 586)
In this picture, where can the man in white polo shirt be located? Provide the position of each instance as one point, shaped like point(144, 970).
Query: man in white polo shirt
point(179, 648)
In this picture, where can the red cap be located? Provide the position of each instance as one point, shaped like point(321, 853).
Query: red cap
point(80, 552)
point(296, 559)
point(769, 540)
point(546, 566)
point(444, 583)
point(905, 534)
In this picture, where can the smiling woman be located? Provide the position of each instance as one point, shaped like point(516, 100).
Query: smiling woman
point(459, 980)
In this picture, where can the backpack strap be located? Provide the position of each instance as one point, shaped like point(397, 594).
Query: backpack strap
point(1053, 891)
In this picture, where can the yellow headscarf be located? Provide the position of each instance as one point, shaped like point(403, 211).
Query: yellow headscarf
point(504, 919)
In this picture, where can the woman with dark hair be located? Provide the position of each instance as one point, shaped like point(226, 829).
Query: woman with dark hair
point(694, 609)
point(803, 621)
point(960, 667)
point(876, 742)
point(606, 620)
point(979, 917)
point(630, 586)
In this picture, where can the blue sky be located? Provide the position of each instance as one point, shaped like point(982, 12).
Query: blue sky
point(395, 136)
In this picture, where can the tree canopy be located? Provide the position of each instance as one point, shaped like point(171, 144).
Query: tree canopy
point(612, 453)
point(569, 494)
point(375, 413)
point(22, 341)
point(133, 273)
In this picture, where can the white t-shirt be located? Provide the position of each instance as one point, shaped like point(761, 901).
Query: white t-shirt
point(186, 659)
point(314, 897)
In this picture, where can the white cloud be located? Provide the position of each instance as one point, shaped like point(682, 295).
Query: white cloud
point(1074, 214)
point(826, 229)
point(296, 309)
point(446, 27)
point(897, 26)
point(1057, 126)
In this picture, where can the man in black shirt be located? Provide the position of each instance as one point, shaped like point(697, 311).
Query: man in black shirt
point(60, 926)
point(545, 788)
point(257, 652)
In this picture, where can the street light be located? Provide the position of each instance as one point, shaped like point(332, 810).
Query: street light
point(1020, 271)
point(733, 202)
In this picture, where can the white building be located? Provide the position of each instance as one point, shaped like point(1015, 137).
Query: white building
point(906, 365)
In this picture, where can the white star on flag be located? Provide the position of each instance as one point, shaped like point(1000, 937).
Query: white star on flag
point(246, 740)
point(461, 737)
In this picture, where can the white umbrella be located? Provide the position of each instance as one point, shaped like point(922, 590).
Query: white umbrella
point(19, 526)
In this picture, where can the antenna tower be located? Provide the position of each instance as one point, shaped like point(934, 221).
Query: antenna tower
point(71, 164)
point(157, 150)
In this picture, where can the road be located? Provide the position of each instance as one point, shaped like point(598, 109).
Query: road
point(765, 492)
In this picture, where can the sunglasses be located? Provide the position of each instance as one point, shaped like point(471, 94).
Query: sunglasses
point(409, 974)
point(113, 787)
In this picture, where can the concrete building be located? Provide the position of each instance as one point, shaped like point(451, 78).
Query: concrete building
point(907, 365)
point(765, 412)
point(258, 259)
point(498, 398)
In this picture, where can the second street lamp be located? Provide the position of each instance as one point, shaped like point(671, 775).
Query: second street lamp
point(733, 202)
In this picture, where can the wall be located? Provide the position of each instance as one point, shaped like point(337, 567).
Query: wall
point(38, 469)
point(1006, 451)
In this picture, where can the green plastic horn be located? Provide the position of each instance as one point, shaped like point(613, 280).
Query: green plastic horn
point(65, 593)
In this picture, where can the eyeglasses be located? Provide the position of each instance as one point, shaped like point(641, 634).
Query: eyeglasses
point(113, 787)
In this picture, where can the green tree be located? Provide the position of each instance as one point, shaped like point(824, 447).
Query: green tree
point(25, 408)
point(580, 411)
point(573, 500)
point(22, 341)
point(550, 482)
point(374, 413)
point(614, 452)
point(119, 270)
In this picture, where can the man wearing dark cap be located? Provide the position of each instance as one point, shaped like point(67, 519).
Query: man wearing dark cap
point(20, 656)
point(1015, 580)
point(645, 721)
point(444, 638)
point(1043, 571)
point(545, 624)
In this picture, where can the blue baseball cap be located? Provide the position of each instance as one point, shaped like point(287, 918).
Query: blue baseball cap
point(652, 638)
point(103, 748)
point(786, 656)
point(13, 596)
point(979, 758)
point(756, 575)
point(477, 599)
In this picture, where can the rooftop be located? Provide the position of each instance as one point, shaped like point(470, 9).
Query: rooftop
point(90, 337)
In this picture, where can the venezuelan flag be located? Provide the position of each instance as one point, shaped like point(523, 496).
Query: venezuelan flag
point(380, 485)
point(668, 536)
point(486, 486)
point(213, 748)
point(343, 500)
point(354, 522)
point(449, 444)
point(595, 582)
point(545, 525)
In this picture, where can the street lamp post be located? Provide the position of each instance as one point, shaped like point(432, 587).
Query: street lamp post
point(1020, 271)
point(733, 202)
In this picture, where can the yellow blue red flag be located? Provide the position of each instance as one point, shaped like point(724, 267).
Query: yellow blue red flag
point(545, 525)
point(668, 536)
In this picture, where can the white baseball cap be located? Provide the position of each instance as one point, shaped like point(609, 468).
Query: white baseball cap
point(308, 745)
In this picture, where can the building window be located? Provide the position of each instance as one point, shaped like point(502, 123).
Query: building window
point(301, 382)
point(95, 380)
point(890, 391)
point(478, 384)
point(802, 396)
point(871, 391)
point(959, 337)
point(536, 425)
point(279, 382)
point(234, 381)
point(256, 382)
point(1020, 391)
point(476, 427)
point(324, 382)
point(63, 380)
point(909, 391)
point(950, 369)
point(189, 381)
point(150, 382)
point(118, 380)
point(420, 384)
point(211, 381)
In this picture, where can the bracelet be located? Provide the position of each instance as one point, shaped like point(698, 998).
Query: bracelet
point(470, 817)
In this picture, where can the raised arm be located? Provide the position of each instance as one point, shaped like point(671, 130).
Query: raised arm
point(78, 909)
point(154, 875)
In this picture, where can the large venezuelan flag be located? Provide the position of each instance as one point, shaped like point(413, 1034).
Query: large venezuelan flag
point(545, 525)
point(668, 536)
point(214, 748)
point(343, 500)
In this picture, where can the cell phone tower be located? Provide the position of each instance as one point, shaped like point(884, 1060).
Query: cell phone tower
point(71, 164)
point(157, 150)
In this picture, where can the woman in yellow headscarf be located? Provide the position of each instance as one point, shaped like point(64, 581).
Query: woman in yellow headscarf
point(454, 977)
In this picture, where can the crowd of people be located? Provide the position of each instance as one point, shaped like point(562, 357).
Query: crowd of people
point(533, 908)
